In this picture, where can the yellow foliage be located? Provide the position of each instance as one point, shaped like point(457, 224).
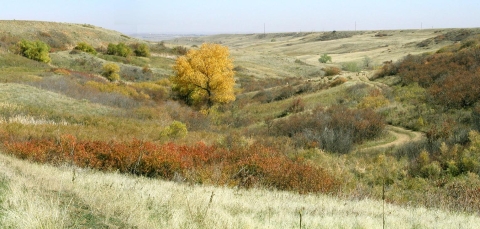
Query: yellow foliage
point(205, 75)
point(424, 158)
point(110, 71)
point(175, 130)
point(374, 100)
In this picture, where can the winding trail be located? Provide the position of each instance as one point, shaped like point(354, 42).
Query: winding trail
point(402, 136)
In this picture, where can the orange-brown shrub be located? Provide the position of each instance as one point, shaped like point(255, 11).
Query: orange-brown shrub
point(331, 71)
point(338, 81)
point(449, 76)
point(251, 166)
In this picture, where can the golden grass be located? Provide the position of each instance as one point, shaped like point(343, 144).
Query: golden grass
point(42, 196)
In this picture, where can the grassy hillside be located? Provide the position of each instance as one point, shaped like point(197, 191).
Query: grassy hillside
point(58, 35)
point(40, 196)
point(325, 140)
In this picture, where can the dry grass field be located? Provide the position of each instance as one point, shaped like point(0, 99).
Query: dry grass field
point(31, 197)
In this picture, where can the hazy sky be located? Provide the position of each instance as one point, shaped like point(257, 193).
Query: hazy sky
point(248, 16)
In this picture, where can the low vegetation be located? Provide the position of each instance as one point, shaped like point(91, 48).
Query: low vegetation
point(120, 49)
point(325, 58)
point(83, 46)
point(110, 71)
point(35, 50)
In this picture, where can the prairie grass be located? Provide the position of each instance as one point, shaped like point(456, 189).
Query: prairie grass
point(33, 198)
point(28, 96)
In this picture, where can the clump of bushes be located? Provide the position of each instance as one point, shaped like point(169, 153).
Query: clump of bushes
point(448, 161)
point(141, 50)
point(179, 50)
point(335, 129)
point(351, 67)
point(35, 50)
point(242, 166)
point(120, 49)
point(110, 71)
point(338, 81)
point(175, 130)
point(325, 58)
point(85, 47)
point(449, 76)
point(374, 100)
point(331, 71)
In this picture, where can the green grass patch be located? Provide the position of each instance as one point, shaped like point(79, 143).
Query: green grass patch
point(161, 62)
point(131, 60)
point(48, 102)
point(15, 63)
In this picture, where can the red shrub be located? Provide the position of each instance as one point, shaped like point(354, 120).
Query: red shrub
point(244, 166)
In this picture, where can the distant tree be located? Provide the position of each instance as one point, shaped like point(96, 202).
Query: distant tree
point(325, 58)
point(205, 75)
point(85, 47)
point(110, 71)
point(142, 50)
point(35, 50)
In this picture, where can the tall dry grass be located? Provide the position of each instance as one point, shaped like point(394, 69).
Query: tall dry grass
point(41, 196)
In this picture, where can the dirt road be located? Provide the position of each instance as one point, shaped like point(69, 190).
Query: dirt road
point(402, 136)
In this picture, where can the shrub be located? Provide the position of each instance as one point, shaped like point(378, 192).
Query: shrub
point(242, 166)
point(34, 50)
point(335, 129)
point(388, 69)
point(110, 71)
point(123, 50)
point(331, 71)
point(175, 130)
point(325, 58)
point(374, 100)
point(351, 67)
point(119, 50)
point(367, 62)
point(297, 105)
point(338, 81)
point(83, 46)
point(111, 49)
point(180, 50)
point(449, 76)
point(141, 50)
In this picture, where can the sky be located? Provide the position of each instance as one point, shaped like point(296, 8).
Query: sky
point(248, 16)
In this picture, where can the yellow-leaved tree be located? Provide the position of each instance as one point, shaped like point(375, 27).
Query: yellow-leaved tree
point(205, 76)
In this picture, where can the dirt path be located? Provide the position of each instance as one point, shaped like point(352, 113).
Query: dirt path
point(402, 136)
